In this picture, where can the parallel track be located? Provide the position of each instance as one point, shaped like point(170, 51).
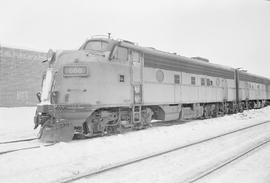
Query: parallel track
point(38, 146)
point(139, 159)
point(227, 162)
point(15, 141)
point(24, 148)
point(28, 146)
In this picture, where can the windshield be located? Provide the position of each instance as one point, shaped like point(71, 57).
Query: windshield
point(46, 86)
point(97, 45)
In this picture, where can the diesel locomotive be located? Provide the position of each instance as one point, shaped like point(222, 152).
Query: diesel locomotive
point(109, 86)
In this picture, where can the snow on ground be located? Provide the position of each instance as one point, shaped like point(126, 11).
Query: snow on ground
point(17, 123)
point(63, 160)
point(181, 166)
point(254, 169)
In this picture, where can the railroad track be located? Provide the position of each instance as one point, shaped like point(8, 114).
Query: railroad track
point(195, 178)
point(34, 146)
point(226, 162)
point(15, 141)
point(21, 145)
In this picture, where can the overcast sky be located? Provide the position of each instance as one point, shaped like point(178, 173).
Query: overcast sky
point(235, 33)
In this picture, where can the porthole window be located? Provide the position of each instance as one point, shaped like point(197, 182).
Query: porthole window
point(159, 75)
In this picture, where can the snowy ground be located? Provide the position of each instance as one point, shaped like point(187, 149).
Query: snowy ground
point(50, 164)
point(183, 165)
point(253, 169)
point(17, 123)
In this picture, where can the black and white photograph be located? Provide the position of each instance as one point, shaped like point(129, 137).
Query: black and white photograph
point(145, 91)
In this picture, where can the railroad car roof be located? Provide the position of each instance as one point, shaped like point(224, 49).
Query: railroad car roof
point(169, 61)
point(244, 76)
point(164, 60)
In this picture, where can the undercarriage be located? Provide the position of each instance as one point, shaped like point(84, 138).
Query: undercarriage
point(105, 121)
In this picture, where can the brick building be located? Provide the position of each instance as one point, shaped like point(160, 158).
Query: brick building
point(20, 76)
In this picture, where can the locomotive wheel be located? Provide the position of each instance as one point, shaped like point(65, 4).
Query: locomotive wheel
point(88, 129)
point(147, 117)
point(206, 112)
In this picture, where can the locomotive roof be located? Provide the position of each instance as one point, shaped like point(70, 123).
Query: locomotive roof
point(202, 67)
point(244, 76)
point(150, 50)
point(165, 60)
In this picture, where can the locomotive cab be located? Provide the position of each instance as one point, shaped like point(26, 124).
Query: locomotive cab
point(99, 45)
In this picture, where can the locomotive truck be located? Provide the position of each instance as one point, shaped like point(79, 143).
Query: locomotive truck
point(109, 86)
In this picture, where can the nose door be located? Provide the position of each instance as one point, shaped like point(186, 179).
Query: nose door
point(136, 61)
point(136, 76)
point(225, 89)
point(246, 90)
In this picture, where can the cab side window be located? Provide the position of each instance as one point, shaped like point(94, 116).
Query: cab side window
point(121, 54)
point(135, 56)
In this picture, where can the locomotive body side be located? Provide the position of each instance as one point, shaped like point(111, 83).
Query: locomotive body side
point(197, 83)
point(253, 89)
point(109, 86)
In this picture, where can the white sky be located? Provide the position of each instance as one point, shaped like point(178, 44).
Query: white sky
point(235, 33)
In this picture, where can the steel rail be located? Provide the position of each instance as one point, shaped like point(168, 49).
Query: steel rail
point(25, 148)
point(226, 162)
point(20, 140)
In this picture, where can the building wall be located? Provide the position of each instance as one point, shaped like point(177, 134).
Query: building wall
point(20, 76)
